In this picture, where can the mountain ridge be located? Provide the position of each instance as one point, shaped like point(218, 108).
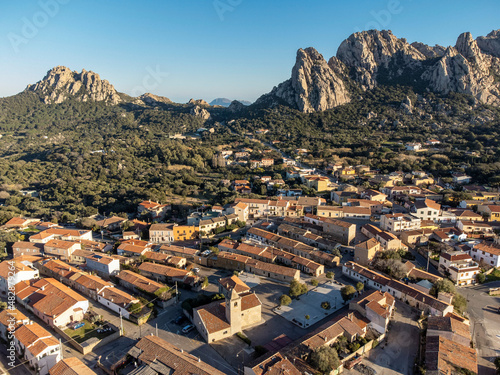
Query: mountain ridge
point(370, 58)
point(363, 61)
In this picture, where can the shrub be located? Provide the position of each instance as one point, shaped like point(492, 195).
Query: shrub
point(297, 288)
point(325, 305)
point(285, 300)
point(325, 359)
point(244, 338)
point(314, 282)
point(347, 292)
point(329, 275)
point(481, 278)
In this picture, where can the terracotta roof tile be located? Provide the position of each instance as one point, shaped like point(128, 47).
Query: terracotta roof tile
point(71, 366)
point(154, 349)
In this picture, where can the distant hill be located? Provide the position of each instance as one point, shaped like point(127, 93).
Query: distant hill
point(225, 102)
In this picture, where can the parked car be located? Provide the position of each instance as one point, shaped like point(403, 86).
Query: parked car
point(196, 270)
point(188, 328)
point(180, 319)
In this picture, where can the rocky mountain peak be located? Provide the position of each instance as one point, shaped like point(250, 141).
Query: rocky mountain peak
point(367, 51)
point(467, 47)
point(490, 44)
point(428, 51)
point(314, 86)
point(61, 83)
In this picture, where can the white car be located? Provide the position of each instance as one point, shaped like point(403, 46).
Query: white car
point(188, 328)
point(196, 270)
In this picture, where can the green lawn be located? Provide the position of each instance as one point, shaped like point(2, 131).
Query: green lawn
point(86, 332)
point(493, 276)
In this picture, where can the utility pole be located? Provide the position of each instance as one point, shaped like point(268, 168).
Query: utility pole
point(61, 349)
point(176, 293)
point(157, 330)
point(121, 324)
point(428, 257)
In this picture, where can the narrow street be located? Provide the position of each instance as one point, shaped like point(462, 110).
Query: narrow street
point(485, 324)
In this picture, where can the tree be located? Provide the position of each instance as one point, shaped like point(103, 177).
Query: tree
point(481, 278)
point(497, 364)
point(214, 249)
point(347, 292)
point(3, 305)
point(325, 359)
point(285, 300)
point(87, 222)
point(443, 285)
point(360, 286)
point(204, 283)
point(297, 288)
point(329, 275)
point(459, 303)
point(314, 282)
point(307, 317)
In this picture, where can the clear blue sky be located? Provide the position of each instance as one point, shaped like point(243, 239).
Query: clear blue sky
point(237, 49)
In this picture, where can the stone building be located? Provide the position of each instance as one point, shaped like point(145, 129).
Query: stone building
point(240, 310)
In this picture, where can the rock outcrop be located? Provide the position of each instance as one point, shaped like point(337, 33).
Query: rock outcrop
point(490, 44)
point(370, 58)
point(465, 69)
point(428, 51)
point(198, 102)
point(61, 83)
point(236, 106)
point(200, 112)
point(368, 51)
point(152, 99)
point(314, 85)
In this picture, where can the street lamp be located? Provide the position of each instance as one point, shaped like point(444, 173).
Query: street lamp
point(241, 369)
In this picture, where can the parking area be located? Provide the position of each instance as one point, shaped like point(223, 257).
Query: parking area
point(307, 310)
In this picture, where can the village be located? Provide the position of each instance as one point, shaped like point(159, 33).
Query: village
point(295, 282)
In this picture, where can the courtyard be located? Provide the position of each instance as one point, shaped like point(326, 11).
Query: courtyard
point(307, 309)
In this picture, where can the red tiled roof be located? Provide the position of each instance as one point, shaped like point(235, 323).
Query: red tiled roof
point(71, 366)
point(234, 282)
point(35, 338)
point(154, 349)
point(445, 356)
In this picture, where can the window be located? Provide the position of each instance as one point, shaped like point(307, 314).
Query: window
point(236, 304)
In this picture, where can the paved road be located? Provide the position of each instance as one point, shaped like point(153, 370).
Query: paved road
point(395, 355)
point(421, 261)
point(485, 323)
point(166, 329)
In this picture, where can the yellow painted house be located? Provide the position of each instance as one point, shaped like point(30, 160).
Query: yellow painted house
point(185, 232)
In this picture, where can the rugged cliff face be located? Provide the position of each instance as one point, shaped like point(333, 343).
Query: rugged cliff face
point(466, 69)
point(368, 51)
point(60, 83)
point(371, 58)
point(314, 85)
